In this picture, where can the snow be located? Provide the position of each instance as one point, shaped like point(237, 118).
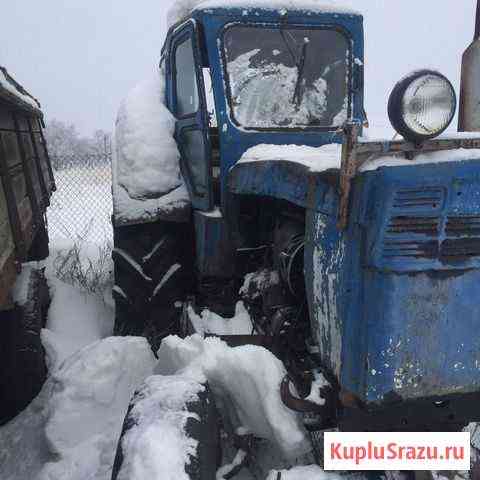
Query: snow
point(75, 320)
point(183, 8)
point(158, 446)
point(91, 392)
point(319, 382)
point(210, 322)
point(70, 430)
point(226, 469)
point(174, 268)
point(251, 83)
point(246, 382)
point(145, 164)
point(20, 288)
point(318, 159)
point(310, 472)
point(12, 89)
point(457, 155)
point(255, 283)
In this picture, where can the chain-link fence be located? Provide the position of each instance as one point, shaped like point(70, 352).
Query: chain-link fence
point(82, 205)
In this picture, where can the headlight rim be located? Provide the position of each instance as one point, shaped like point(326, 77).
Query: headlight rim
point(396, 111)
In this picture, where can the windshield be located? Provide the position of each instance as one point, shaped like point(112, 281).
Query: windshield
point(287, 77)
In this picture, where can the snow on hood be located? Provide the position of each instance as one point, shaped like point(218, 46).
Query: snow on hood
point(147, 155)
point(246, 381)
point(317, 159)
point(183, 8)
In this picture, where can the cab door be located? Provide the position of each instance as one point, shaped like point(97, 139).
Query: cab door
point(188, 104)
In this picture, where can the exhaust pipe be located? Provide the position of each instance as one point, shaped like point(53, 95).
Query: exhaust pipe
point(469, 114)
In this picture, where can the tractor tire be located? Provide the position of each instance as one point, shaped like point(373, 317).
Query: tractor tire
point(153, 267)
point(201, 426)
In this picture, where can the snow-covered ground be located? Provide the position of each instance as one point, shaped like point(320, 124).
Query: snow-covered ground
point(70, 431)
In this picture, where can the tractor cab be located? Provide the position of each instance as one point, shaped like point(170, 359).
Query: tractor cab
point(241, 76)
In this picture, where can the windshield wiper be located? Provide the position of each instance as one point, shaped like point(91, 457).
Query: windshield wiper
point(299, 62)
point(298, 93)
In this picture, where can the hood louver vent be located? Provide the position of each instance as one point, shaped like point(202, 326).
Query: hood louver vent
point(424, 199)
point(462, 226)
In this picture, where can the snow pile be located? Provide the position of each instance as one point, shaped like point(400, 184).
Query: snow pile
point(310, 472)
point(183, 8)
point(145, 164)
point(210, 322)
point(90, 395)
point(246, 381)
point(318, 159)
point(75, 320)
point(157, 446)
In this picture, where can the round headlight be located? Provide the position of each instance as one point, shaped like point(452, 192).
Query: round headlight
point(422, 105)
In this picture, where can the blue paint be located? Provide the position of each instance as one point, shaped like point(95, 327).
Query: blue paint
point(234, 141)
point(406, 323)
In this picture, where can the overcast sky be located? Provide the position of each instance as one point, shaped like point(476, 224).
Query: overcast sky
point(80, 57)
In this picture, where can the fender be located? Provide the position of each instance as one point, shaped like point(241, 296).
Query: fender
point(282, 179)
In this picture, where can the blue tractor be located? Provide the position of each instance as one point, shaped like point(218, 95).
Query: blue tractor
point(375, 244)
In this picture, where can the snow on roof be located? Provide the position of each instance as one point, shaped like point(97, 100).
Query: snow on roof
point(145, 165)
point(12, 88)
point(183, 8)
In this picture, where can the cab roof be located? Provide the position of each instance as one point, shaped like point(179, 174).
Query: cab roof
point(184, 8)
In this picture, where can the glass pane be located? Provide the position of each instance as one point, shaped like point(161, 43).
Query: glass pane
point(193, 149)
point(207, 80)
point(186, 81)
point(288, 77)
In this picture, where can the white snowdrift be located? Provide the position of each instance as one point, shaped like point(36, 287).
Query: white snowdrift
point(90, 395)
point(145, 165)
point(309, 472)
point(183, 8)
point(157, 446)
point(210, 322)
point(246, 382)
point(75, 320)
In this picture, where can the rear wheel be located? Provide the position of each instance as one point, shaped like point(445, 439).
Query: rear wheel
point(153, 272)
